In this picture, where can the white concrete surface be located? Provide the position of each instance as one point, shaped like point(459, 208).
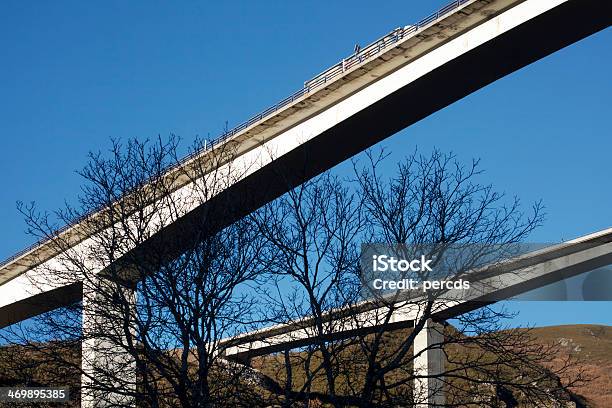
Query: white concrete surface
point(488, 284)
point(265, 142)
point(428, 366)
point(106, 364)
point(474, 26)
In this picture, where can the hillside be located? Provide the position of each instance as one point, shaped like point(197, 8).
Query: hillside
point(590, 345)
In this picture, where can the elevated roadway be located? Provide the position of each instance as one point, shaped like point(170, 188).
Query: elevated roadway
point(498, 281)
point(402, 78)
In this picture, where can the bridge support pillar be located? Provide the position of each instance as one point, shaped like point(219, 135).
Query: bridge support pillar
point(428, 366)
point(109, 371)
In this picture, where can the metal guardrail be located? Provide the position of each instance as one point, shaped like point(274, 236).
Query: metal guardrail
point(323, 78)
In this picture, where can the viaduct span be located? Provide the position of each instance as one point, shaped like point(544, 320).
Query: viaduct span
point(392, 83)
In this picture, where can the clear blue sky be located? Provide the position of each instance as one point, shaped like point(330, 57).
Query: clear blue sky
point(74, 74)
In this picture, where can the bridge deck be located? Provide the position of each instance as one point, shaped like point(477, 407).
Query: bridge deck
point(378, 59)
point(495, 282)
point(440, 63)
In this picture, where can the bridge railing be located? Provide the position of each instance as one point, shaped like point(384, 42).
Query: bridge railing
point(355, 59)
point(326, 76)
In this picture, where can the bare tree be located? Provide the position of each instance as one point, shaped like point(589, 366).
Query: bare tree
point(169, 265)
point(315, 228)
point(159, 292)
point(431, 202)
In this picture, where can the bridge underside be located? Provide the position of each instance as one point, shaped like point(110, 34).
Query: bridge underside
point(448, 82)
point(495, 282)
point(534, 39)
point(473, 70)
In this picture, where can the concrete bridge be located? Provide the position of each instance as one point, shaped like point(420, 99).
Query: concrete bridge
point(392, 83)
point(497, 281)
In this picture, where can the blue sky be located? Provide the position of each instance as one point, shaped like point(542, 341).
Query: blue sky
point(74, 74)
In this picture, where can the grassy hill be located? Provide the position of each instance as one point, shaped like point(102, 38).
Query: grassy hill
point(590, 345)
